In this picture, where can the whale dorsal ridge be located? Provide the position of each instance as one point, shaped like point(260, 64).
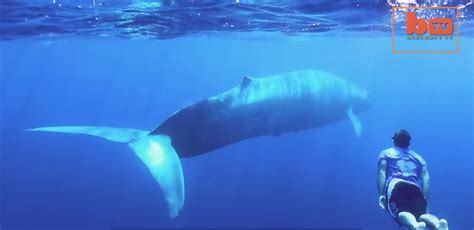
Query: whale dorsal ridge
point(246, 82)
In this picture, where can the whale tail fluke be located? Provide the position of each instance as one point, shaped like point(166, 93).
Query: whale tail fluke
point(164, 164)
point(155, 151)
point(122, 135)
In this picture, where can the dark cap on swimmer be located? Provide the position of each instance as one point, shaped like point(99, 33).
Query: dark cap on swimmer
point(401, 138)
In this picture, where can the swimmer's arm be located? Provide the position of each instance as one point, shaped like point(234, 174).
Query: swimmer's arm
point(382, 176)
point(426, 182)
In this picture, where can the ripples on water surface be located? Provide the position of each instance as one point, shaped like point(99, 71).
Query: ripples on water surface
point(170, 19)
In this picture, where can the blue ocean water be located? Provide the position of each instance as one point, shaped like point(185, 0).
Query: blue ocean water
point(323, 177)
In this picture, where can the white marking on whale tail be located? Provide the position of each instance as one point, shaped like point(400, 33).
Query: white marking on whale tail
point(355, 121)
point(163, 162)
point(155, 151)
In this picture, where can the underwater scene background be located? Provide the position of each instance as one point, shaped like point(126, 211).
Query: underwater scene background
point(319, 178)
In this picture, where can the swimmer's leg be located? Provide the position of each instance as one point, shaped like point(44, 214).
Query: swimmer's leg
point(407, 219)
point(433, 222)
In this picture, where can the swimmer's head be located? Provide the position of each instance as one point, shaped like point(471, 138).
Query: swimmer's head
point(401, 138)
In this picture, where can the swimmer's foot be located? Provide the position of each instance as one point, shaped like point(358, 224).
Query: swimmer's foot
point(420, 226)
point(443, 224)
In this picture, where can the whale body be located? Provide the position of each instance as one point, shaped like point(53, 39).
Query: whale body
point(271, 105)
point(262, 106)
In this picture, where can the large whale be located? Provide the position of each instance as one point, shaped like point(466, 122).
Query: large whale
point(258, 106)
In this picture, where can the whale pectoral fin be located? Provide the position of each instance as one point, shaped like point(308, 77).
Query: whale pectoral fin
point(355, 121)
point(163, 162)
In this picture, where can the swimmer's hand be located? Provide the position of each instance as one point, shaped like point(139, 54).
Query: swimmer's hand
point(382, 202)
